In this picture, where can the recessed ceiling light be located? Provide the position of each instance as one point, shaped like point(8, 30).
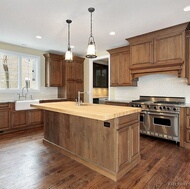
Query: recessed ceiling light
point(38, 36)
point(72, 46)
point(186, 9)
point(112, 33)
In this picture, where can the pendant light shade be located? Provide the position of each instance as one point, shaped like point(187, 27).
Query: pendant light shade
point(91, 50)
point(69, 54)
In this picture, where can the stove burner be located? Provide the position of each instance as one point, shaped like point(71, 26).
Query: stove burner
point(168, 102)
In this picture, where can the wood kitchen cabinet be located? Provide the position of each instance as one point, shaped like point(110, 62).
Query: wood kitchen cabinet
point(19, 119)
point(53, 70)
point(185, 127)
point(119, 67)
point(162, 51)
point(35, 117)
point(188, 56)
point(4, 116)
point(73, 81)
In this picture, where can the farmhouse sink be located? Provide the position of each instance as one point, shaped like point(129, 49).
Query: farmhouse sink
point(25, 104)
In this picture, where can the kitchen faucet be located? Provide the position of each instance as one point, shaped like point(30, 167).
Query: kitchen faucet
point(79, 101)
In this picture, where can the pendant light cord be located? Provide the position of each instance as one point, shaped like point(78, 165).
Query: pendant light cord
point(91, 25)
point(68, 36)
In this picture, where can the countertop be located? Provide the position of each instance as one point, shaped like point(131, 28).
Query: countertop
point(92, 111)
point(119, 101)
point(41, 100)
point(100, 96)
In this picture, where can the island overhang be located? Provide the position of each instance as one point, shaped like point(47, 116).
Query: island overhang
point(87, 110)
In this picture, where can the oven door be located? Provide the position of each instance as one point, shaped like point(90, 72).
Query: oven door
point(165, 124)
point(143, 121)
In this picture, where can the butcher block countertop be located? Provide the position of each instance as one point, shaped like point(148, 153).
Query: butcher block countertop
point(92, 111)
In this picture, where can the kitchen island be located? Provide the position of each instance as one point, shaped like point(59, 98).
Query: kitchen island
point(103, 137)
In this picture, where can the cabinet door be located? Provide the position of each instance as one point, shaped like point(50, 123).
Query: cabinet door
point(35, 117)
point(188, 122)
point(4, 119)
point(70, 71)
point(71, 92)
point(188, 135)
point(124, 147)
point(124, 72)
point(19, 119)
point(79, 71)
point(114, 70)
point(169, 48)
point(55, 73)
point(142, 53)
point(135, 141)
point(53, 70)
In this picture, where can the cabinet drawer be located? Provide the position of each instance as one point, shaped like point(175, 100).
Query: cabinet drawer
point(4, 105)
point(116, 103)
point(128, 120)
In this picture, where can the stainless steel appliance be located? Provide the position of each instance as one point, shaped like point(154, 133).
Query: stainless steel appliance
point(160, 116)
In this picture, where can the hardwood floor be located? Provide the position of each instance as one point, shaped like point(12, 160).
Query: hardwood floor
point(26, 163)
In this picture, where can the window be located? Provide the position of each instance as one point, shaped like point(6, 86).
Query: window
point(19, 70)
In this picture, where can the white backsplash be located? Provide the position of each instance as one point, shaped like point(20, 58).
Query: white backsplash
point(44, 93)
point(154, 85)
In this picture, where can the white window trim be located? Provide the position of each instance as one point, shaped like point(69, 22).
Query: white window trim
point(38, 72)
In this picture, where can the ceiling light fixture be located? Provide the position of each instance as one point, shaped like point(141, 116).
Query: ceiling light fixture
point(91, 50)
point(69, 54)
point(38, 36)
point(112, 33)
point(186, 9)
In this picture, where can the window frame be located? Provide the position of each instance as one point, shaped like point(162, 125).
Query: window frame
point(38, 71)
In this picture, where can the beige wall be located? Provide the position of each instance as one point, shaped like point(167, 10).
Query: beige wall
point(44, 92)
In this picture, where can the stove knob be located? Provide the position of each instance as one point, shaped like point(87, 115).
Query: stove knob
point(164, 107)
point(155, 107)
point(133, 105)
point(148, 106)
point(139, 105)
point(174, 109)
point(168, 108)
point(161, 108)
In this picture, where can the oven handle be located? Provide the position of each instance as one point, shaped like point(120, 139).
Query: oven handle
point(163, 114)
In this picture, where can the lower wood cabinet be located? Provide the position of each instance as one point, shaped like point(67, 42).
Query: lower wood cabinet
point(12, 120)
point(185, 127)
point(114, 147)
point(35, 117)
point(18, 119)
point(4, 116)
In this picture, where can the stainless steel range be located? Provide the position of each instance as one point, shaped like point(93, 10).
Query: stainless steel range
point(160, 116)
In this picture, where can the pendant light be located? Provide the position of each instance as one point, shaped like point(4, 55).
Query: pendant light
point(91, 50)
point(69, 54)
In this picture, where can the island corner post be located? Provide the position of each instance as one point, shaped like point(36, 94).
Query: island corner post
point(110, 147)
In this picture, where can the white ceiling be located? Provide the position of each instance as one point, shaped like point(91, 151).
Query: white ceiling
point(22, 20)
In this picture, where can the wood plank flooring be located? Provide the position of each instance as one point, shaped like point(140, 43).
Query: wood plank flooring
point(26, 163)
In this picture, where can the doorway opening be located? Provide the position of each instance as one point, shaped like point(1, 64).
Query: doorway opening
point(99, 79)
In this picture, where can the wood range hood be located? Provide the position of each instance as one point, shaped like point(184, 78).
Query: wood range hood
point(164, 51)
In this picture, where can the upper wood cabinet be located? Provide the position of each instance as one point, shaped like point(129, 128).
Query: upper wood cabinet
point(73, 73)
point(119, 67)
point(162, 51)
point(53, 70)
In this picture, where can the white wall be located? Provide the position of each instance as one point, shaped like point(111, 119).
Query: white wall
point(44, 92)
point(154, 85)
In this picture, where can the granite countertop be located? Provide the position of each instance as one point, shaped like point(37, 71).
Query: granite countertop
point(92, 111)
